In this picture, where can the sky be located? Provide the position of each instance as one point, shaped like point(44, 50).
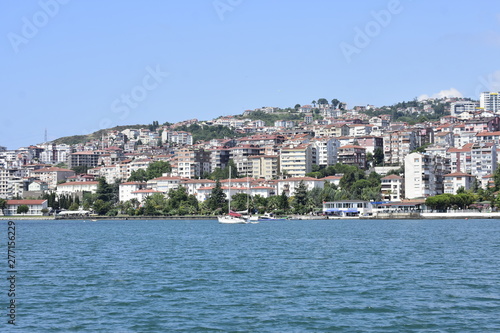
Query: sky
point(71, 67)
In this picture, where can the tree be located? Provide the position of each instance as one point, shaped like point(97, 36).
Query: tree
point(496, 178)
point(217, 198)
point(79, 169)
point(439, 202)
point(157, 169)
point(74, 206)
point(261, 203)
point(219, 173)
point(351, 175)
point(335, 103)
point(138, 176)
point(475, 185)
point(313, 103)
point(3, 204)
point(104, 191)
point(296, 107)
point(322, 101)
point(23, 209)
point(300, 197)
point(369, 159)
point(378, 156)
point(180, 203)
point(101, 207)
point(239, 201)
point(155, 204)
point(284, 204)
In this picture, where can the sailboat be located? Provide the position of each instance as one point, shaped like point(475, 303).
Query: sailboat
point(232, 217)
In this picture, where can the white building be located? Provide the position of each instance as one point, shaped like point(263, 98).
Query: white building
point(289, 185)
point(125, 192)
point(348, 208)
point(165, 183)
point(324, 150)
point(53, 154)
point(490, 101)
point(424, 175)
point(392, 187)
point(53, 175)
point(456, 180)
point(463, 106)
point(35, 207)
point(296, 161)
point(77, 187)
point(178, 137)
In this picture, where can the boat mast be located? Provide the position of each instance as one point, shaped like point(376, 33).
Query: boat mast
point(229, 191)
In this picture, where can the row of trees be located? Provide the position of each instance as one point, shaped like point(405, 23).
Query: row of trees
point(323, 101)
point(206, 133)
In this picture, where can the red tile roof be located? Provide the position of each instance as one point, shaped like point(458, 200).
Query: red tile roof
point(25, 202)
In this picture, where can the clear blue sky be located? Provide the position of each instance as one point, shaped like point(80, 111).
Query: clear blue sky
point(69, 68)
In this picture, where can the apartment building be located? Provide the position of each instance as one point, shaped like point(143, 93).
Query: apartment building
point(264, 166)
point(53, 154)
point(490, 101)
point(219, 158)
point(370, 143)
point(289, 185)
point(53, 175)
point(87, 158)
point(392, 188)
point(397, 145)
point(192, 163)
point(296, 161)
point(424, 175)
point(177, 137)
point(352, 155)
point(457, 180)
point(457, 108)
point(240, 156)
point(478, 159)
point(324, 151)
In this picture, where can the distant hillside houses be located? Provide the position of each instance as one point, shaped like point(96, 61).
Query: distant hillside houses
point(457, 150)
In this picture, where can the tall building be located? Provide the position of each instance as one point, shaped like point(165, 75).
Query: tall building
point(192, 163)
point(478, 159)
point(296, 161)
point(324, 151)
point(490, 101)
point(397, 145)
point(264, 166)
point(424, 175)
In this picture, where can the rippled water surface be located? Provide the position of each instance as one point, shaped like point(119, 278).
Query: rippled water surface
point(292, 276)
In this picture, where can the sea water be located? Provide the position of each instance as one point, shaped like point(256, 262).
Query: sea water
point(277, 276)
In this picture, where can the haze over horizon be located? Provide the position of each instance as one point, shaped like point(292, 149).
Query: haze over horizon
point(74, 67)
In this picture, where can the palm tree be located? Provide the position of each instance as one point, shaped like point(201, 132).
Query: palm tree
point(134, 202)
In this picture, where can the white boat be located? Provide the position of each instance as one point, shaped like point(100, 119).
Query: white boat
point(231, 217)
point(267, 217)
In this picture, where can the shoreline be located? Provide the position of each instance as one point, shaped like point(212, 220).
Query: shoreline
point(380, 216)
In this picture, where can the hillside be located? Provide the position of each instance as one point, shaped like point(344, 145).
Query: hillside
point(75, 139)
